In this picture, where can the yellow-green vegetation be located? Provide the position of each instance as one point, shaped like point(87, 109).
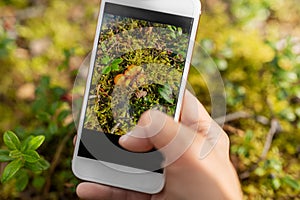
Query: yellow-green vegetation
point(256, 47)
point(255, 44)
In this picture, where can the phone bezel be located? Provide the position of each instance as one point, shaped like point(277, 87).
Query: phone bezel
point(119, 175)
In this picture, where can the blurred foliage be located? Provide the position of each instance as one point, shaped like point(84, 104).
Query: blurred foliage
point(254, 43)
point(256, 46)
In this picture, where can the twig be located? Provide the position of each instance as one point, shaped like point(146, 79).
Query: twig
point(242, 115)
point(232, 117)
point(55, 162)
point(237, 115)
point(275, 127)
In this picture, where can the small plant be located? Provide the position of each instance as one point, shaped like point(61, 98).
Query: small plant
point(166, 93)
point(22, 157)
point(114, 66)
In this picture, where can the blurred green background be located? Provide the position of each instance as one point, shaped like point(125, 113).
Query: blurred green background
point(255, 44)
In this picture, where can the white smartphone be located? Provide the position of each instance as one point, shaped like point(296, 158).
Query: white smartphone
point(140, 61)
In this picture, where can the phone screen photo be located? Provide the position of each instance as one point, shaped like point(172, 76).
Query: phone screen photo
point(138, 65)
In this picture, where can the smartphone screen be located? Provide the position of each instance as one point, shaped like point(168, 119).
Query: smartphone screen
point(139, 64)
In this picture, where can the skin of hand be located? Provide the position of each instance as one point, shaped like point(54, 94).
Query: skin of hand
point(187, 176)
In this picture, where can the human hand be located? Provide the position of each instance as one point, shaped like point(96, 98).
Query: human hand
point(187, 176)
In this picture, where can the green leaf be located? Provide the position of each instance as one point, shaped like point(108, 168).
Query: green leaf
point(36, 142)
point(180, 31)
point(173, 35)
point(11, 169)
point(31, 156)
point(44, 164)
point(167, 97)
point(11, 140)
point(172, 28)
point(4, 156)
point(105, 60)
point(117, 61)
point(62, 115)
point(276, 183)
point(115, 67)
point(41, 165)
point(291, 182)
point(166, 93)
point(106, 70)
point(24, 144)
point(22, 180)
point(15, 154)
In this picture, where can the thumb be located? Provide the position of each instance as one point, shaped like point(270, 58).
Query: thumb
point(158, 130)
point(193, 115)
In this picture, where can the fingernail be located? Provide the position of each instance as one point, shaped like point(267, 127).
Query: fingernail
point(125, 137)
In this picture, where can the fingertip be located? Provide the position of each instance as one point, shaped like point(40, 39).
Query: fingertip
point(124, 140)
point(94, 191)
point(91, 191)
point(154, 129)
point(74, 140)
point(135, 144)
point(79, 190)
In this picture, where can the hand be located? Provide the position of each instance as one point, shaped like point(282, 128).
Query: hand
point(188, 176)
